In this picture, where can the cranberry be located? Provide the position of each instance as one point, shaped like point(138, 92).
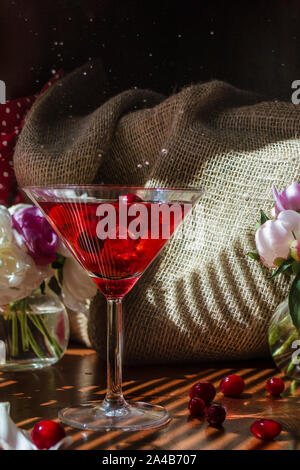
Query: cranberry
point(196, 407)
point(130, 198)
point(275, 386)
point(88, 243)
point(232, 385)
point(265, 429)
point(204, 390)
point(215, 414)
point(46, 434)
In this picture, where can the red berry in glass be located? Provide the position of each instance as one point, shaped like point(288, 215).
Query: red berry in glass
point(118, 261)
point(47, 433)
point(232, 385)
point(196, 407)
point(275, 386)
point(130, 198)
point(265, 429)
point(204, 390)
point(215, 414)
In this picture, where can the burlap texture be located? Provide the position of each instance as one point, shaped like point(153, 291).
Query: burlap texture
point(202, 298)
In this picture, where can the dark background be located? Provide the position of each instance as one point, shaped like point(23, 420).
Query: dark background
point(162, 45)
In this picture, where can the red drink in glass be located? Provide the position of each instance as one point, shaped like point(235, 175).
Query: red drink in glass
point(114, 263)
point(115, 232)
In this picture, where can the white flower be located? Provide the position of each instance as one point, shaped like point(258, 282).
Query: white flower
point(14, 265)
point(5, 226)
point(274, 237)
point(19, 275)
point(78, 288)
point(18, 207)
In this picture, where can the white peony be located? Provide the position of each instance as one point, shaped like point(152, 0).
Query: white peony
point(78, 288)
point(6, 232)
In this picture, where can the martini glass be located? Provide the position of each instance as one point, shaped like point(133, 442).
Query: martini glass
point(114, 232)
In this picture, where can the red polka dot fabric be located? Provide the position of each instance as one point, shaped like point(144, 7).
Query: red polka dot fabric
point(12, 117)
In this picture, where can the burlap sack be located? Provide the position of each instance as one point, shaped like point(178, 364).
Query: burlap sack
point(202, 298)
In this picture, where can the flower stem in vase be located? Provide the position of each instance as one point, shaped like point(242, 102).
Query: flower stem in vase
point(294, 335)
point(24, 330)
point(33, 345)
point(29, 322)
point(290, 368)
point(42, 327)
point(14, 339)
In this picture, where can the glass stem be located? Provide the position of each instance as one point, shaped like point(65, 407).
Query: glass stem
point(114, 397)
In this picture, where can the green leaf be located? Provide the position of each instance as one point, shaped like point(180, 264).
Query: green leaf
point(263, 217)
point(253, 255)
point(42, 287)
point(294, 301)
point(58, 262)
point(296, 267)
point(289, 271)
point(285, 265)
point(60, 276)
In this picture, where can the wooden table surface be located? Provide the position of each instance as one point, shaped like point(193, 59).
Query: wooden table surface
point(80, 377)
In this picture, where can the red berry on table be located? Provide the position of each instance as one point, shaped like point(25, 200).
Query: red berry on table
point(196, 407)
point(47, 433)
point(215, 414)
point(275, 386)
point(265, 429)
point(232, 385)
point(204, 390)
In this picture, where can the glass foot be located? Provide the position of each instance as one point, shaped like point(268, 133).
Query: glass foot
point(134, 416)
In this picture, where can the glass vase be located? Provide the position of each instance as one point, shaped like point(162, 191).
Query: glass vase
point(34, 332)
point(284, 342)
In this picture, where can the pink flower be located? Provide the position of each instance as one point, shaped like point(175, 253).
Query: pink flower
point(295, 250)
point(288, 199)
point(40, 239)
point(274, 237)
